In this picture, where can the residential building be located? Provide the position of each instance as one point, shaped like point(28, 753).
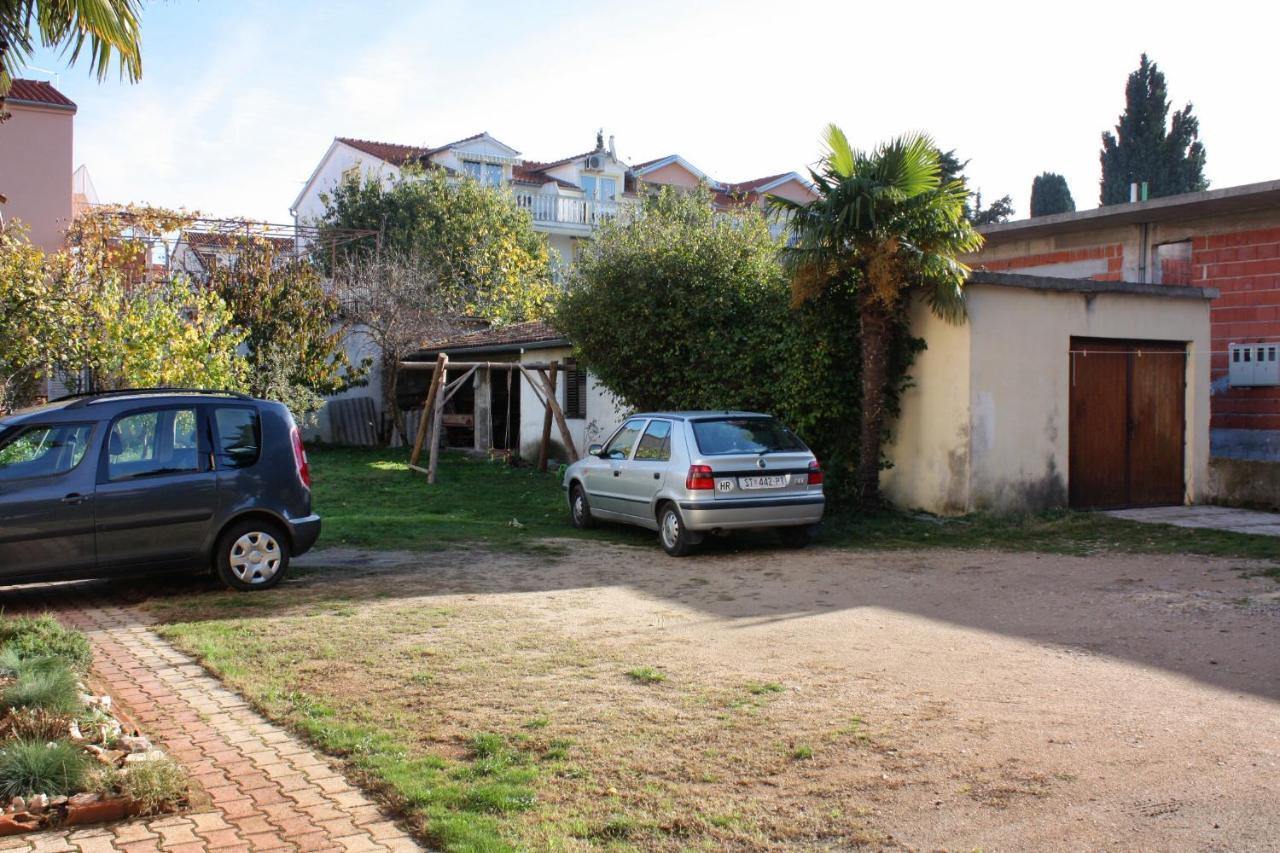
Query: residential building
point(35, 161)
point(1226, 239)
point(566, 197)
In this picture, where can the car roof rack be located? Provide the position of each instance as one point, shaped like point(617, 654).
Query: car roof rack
point(86, 397)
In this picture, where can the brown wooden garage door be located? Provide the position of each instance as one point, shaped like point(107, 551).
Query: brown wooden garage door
point(1126, 442)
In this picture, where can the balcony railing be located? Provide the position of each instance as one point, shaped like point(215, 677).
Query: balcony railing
point(550, 209)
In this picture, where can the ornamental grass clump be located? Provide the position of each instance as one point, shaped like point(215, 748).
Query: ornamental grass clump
point(36, 767)
point(43, 636)
point(50, 686)
point(154, 786)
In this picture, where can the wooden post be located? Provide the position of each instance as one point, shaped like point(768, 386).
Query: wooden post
point(424, 423)
point(545, 446)
point(437, 425)
point(556, 411)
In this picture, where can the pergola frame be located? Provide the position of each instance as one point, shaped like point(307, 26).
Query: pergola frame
point(542, 379)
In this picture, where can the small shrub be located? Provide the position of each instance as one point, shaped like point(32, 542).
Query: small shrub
point(646, 675)
point(44, 636)
point(35, 767)
point(52, 688)
point(154, 785)
point(34, 724)
point(802, 753)
point(101, 779)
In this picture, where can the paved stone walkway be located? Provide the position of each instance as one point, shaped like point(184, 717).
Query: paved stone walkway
point(1213, 517)
point(266, 790)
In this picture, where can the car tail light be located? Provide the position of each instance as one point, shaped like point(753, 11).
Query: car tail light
point(300, 457)
point(699, 478)
point(815, 473)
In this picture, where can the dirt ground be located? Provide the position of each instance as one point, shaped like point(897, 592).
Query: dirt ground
point(953, 700)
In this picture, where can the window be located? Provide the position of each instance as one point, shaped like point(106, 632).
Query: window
point(604, 189)
point(488, 174)
point(575, 392)
point(43, 451)
point(147, 444)
point(620, 447)
point(724, 436)
point(655, 444)
point(239, 437)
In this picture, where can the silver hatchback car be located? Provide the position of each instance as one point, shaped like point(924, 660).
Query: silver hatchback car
point(685, 474)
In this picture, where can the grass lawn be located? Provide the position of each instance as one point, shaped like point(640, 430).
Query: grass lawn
point(369, 498)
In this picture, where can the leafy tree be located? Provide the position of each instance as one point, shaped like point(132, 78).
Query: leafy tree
point(684, 308)
point(293, 339)
point(951, 168)
point(886, 226)
point(36, 318)
point(1050, 194)
point(475, 240)
point(161, 333)
point(1170, 160)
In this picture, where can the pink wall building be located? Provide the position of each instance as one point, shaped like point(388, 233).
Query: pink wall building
point(35, 160)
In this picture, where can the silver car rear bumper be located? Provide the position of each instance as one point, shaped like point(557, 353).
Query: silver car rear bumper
point(757, 512)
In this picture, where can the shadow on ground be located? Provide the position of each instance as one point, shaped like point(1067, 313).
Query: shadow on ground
point(1208, 619)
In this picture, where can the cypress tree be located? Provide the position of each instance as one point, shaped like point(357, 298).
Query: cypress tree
point(1170, 161)
point(1050, 194)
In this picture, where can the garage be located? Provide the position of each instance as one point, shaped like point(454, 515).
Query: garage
point(1056, 392)
point(1128, 423)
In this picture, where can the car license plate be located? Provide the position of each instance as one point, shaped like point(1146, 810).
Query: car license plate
point(772, 481)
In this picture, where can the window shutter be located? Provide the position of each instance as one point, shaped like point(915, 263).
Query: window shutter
point(575, 392)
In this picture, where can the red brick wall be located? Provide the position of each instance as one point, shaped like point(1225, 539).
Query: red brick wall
point(1245, 267)
point(1114, 254)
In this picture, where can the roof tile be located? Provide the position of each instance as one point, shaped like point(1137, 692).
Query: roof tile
point(40, 92)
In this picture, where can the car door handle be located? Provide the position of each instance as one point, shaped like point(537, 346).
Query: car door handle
point(657, 476)
point(76, 498)
point(617, 473)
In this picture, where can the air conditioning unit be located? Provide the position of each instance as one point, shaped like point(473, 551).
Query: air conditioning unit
point(592, 163)
point(1252, 365)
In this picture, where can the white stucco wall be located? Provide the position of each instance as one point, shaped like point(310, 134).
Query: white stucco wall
point(986, 427)
point(604, 413)
point(337, 160)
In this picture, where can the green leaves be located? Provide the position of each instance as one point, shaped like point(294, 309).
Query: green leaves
point(103, 30)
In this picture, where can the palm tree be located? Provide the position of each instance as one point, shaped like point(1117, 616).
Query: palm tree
point(885, 223)
point(108, 28)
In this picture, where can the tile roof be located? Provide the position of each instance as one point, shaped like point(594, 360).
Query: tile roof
point(513, 334)
point(749, 186)
point(38, 92)
point(449, 145)
point(389, 151)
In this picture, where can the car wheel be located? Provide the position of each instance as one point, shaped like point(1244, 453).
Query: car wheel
point(795, 537)
point(252, 555)
point(580, 508)
point(677, 540)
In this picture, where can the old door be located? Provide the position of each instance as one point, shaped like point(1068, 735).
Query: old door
point(1127, 423)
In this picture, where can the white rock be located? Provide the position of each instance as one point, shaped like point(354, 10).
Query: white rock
point(38, 803)
point(142, 757)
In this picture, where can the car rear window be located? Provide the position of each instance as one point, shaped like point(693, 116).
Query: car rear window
point(725, 436)
point(239, 437)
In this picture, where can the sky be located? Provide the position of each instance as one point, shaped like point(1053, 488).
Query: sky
point(239, 100)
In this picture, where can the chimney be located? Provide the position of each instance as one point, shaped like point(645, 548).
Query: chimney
point(1133, 192)
point(613, 152)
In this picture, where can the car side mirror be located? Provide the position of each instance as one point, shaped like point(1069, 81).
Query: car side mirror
point(595, 450)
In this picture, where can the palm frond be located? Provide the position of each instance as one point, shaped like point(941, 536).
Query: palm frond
point(840, 158)
point(98, 30)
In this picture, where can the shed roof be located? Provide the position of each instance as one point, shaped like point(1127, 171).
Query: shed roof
point(1085, 285)
point(512, 337)
point(1168, 208)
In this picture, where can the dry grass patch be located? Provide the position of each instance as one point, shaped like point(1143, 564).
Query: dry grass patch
point(490, 728)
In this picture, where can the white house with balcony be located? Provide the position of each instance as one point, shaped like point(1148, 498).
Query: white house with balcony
point(567, 199)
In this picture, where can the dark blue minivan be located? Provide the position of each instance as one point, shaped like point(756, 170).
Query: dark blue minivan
point(139, 481)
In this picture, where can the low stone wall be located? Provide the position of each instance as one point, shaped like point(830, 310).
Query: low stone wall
point(1244, 482)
